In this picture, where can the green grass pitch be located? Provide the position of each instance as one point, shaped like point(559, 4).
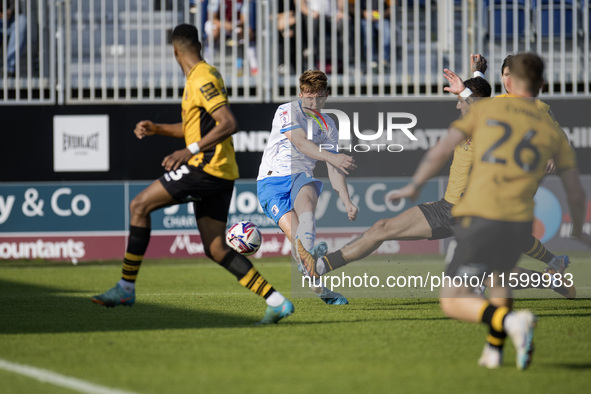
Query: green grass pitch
point(191, 330)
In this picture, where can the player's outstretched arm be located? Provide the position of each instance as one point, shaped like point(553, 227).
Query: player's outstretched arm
point(430, 165)
point(225, 127)
point(339, 184)
point(343, 162)
point(576, 202)
point(146, 128)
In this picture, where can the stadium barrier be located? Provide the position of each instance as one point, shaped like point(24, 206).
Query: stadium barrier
point(92, 143)
point(119, 51)
point(74, 221)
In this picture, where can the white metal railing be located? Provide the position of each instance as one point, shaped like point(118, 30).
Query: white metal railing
point(27, 51)
point(91, 51)
point(120, 49)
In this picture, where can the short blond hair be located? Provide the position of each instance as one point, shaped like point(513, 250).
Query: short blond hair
point(313, 81)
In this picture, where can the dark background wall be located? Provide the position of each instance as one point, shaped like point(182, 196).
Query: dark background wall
point(26, 150)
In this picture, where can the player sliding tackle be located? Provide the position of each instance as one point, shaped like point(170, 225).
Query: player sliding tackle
point(433, 220)
point(513, 141)
point(286, 188)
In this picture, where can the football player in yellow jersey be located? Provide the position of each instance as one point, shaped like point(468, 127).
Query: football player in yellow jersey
point(513, 139)
point(203, 173)
point(533, 247)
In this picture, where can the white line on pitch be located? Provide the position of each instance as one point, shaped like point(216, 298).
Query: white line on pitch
point(56, 379)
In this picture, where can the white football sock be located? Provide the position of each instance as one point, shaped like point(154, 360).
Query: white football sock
point(306, 233)
point(275, 299)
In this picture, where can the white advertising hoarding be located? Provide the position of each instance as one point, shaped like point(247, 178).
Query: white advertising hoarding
point(80, 143)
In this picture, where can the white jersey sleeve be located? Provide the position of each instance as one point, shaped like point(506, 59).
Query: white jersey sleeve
point(286, 118)
point(281, 157)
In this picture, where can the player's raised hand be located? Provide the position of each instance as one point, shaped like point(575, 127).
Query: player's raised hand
point(478, 63)
point(176, 159)
point(343, 162)
point(456, 85)
point(352, 211)
point(144, 128)
point(410, 191)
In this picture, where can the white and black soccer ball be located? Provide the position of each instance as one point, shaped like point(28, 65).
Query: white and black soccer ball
point(244, 237)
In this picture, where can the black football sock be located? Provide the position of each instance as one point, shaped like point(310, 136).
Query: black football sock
point(334, 260)
point(139, 237)
point(494, 316)
point(537, 250)
point(247, 275)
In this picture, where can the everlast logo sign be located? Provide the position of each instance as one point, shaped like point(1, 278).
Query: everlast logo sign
point(79, 142)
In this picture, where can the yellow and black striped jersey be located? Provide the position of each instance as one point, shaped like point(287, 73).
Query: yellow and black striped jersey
point(204, 93)
point(513, 139)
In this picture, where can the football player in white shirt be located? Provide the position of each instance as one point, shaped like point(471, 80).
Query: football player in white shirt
point(286, 188)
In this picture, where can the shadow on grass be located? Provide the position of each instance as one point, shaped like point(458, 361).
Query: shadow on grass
point(26, 308)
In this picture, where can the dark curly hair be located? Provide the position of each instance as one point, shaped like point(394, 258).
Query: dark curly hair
point(479, 87)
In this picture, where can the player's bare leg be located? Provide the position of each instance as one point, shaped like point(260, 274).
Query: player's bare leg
point(409, 225)
point(213, 237)
point(286, 223)
point(147, 201)
point(462, 304)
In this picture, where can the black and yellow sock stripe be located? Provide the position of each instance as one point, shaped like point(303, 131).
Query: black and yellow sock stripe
point(256, 283)
point(334, 260)
point(493, 316)
point(131, 266)
point(496, 338)
point(538, 251)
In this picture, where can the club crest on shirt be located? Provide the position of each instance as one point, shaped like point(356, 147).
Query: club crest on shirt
point(284, 118)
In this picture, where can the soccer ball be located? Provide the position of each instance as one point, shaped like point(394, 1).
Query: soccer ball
point(244, 237)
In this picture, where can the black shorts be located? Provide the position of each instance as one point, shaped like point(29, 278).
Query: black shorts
point(484, 246)
point(210, 195)
point(438, 215)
